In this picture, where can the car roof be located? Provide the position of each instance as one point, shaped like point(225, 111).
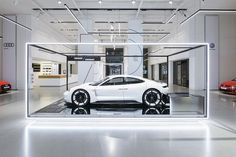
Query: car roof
point(114, 76)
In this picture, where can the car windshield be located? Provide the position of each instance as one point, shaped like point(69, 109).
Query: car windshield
point(99, 82)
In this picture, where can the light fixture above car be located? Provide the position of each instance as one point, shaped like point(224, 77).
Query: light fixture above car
point(100, 1)
point(170, 2)
point(59, 2)
point(133, 2)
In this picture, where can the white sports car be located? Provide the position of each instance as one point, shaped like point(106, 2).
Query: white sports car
point(117, 89)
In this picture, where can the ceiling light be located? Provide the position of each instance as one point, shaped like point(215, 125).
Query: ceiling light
point(133, 2)
point(78, 21)
point(16, 23)
point(100, 1)
point(15, 2)
point(112, 27)
point(59, 2)
point(170, 2)
point(171, 18)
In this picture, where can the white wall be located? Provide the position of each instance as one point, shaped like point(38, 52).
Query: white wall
point(212, 37)
point(44, 33)
point(9, 53)
point(192, 31)
point(22, 37)
point(134, 65)
point(227, 58)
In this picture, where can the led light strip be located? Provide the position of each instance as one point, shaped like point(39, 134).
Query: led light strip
point(207, 11)
point(16, 23)
point(171, 18)
point(78, 21)
point(121, 120)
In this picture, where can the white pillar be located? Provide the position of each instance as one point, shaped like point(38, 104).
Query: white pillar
point(9, 52)
point(23, 36)
point(86, 68)
point(13, 57)
point(212, 37)
point(134, 65)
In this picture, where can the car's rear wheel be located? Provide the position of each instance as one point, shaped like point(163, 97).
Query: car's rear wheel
point(151, 111)
point(80, 97)
point(152, 97)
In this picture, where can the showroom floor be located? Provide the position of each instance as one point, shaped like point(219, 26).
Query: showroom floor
point(213, 138)
point(48, 101)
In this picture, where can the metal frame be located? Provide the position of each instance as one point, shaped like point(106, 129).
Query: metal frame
point(192, 47)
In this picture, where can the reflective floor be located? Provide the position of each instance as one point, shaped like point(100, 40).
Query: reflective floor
point(215, 137)
point(48, 102)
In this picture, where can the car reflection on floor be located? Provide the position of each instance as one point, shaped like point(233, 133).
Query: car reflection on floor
point(162, 109)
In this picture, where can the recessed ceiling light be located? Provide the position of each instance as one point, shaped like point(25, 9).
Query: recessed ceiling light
point(59, 2)
point(100, 1)
point(170, 2)
point(133, 2)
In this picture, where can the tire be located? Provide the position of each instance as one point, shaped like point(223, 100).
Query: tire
point(151, 111)
point(152, 97)
point(81, 111)
point(165, 111)
point(80, 97)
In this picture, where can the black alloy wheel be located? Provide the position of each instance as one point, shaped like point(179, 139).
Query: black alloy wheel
point(80, 97)
point(152, 97)
point(152, 111)
point(165, 111)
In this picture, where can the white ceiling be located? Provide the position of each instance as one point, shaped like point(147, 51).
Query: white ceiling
point(72, 30)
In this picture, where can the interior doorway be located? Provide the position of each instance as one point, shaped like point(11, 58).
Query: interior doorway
point(163, 72)
point(181, 73)
point(114, 61)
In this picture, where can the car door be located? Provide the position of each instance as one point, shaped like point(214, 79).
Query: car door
point(134, 89)
point(111, 90)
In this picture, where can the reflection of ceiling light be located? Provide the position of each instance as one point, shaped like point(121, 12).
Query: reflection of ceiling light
point(59, 2)
point(133, 2)
point(170, 2)
point(100, 1)
point(15, 2)
point(112, 27)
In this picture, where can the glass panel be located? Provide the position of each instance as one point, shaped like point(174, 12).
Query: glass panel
point(174, 86)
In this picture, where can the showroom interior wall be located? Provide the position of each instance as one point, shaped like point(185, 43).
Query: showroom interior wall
point(135, 64)
point(14, 56)
point(86, 69)
point(9, 52)
point(227, 58)
point(192, 31)
point(23, 36)
point(42, 32)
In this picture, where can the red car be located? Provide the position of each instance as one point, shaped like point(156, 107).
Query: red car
point(228, 87)
point(4, 86)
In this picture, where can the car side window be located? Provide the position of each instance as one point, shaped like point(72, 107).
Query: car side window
point(114, 81)
point(130, 80)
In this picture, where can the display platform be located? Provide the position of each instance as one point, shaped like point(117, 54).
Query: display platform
point(179, 104)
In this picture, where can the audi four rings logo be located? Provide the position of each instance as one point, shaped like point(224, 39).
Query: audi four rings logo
point(9, 44)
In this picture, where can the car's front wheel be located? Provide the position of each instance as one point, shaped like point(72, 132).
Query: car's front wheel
point(80, 97)
point(151, 97)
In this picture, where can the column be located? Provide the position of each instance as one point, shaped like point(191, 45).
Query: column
point(134, 65)
point(86, 68)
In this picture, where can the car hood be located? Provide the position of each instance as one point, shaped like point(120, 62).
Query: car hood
point(4, 82)
point(229, 83)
